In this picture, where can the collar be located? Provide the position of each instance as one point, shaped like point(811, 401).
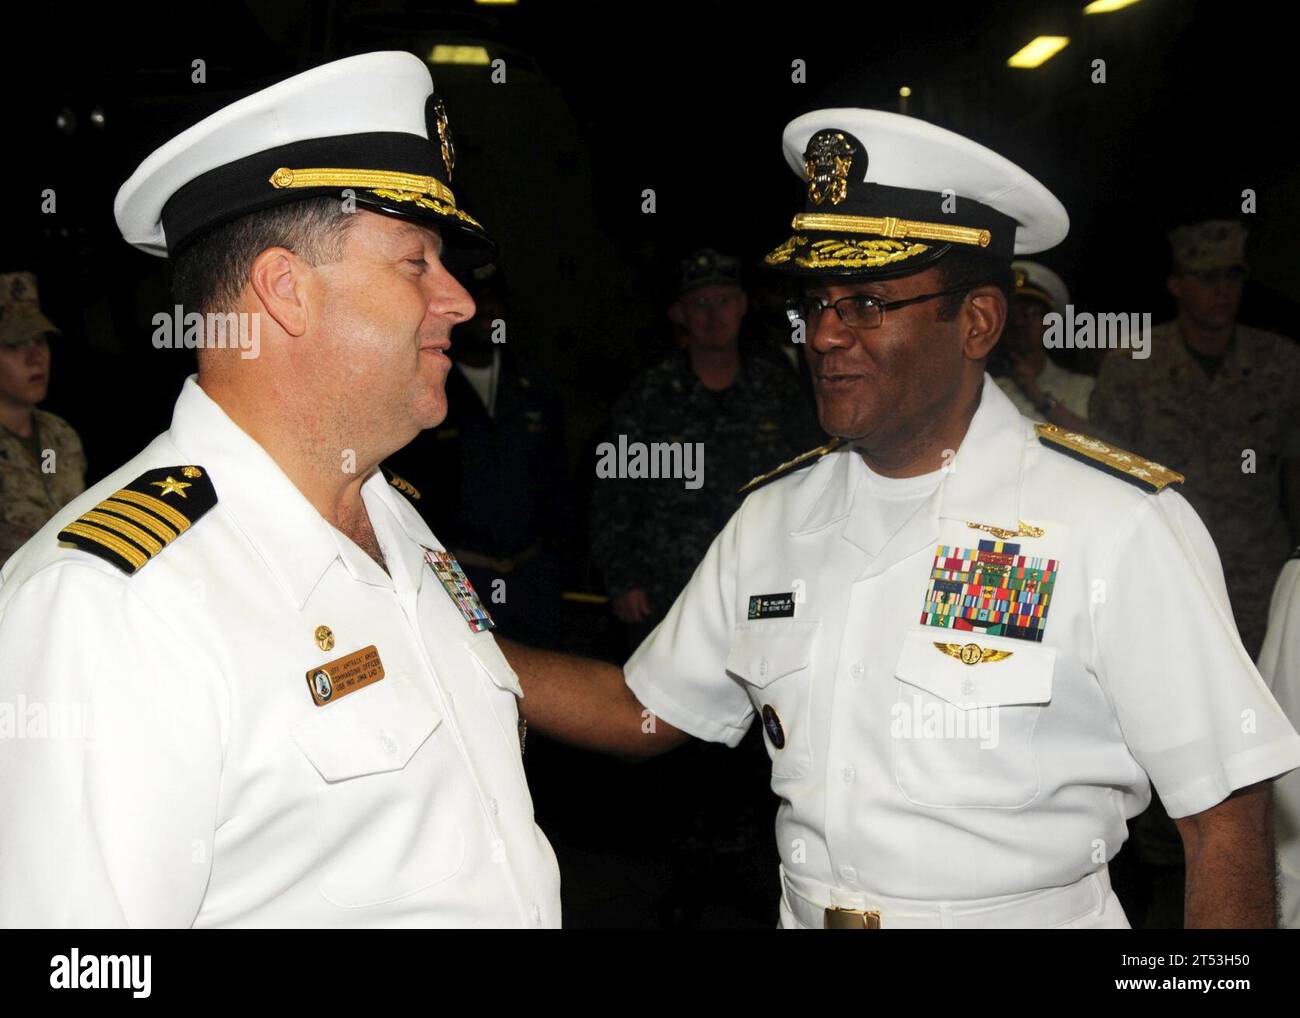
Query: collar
point(982, 487)
point(289, 534)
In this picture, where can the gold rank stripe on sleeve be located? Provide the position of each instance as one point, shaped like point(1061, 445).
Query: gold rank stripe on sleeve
point(1127, 466)
point(803, 459)
point(138, 521)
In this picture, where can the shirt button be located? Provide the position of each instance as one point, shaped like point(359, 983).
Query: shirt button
point(848, 874)
point(390, 746)
point(537, 914)
point(857, 670)
point(492, 804)
point(762, 667)
point(848, 774)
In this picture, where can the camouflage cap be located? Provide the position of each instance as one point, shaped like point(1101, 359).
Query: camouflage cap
point(707, 267)
point(21, 320)
point(1214, 244)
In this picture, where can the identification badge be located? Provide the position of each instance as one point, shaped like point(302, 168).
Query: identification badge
point(772, 606)
point(991, 589)
point(459, 589)
point(336, 679)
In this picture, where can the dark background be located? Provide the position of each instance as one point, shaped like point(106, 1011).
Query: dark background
point(604, 100)
point(601, 102)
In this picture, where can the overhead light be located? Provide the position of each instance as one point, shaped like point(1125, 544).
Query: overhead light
point(1106, 6)
point(905, 91)
point(444, 54)
point(1038, 52)
point(501, 3)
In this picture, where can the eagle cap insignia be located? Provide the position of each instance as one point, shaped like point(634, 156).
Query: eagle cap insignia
point(826, 162)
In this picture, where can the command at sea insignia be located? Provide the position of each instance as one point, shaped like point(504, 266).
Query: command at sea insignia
point(963, 704)
point(285, 733)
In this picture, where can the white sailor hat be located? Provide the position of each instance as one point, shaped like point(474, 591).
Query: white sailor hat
point(370, 124)
point(1040, 282)
point(879, 197)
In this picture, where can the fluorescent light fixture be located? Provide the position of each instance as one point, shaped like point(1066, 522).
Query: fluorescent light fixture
point(500, 3)
point(443, 54)
point(1039, 51)
point(1106, 6)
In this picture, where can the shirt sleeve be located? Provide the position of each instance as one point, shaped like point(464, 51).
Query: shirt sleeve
point(109, 778)
point(1195, 713)
point(679, 672)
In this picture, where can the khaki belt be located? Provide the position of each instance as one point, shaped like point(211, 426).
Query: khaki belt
point(1056, 906)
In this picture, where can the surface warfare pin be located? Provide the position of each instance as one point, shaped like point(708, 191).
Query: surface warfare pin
point(772, 606)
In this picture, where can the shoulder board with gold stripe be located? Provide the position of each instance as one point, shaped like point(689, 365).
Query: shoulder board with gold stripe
point(402, 484)
point(135, 523)
point(802, 460)
point(1127, 466)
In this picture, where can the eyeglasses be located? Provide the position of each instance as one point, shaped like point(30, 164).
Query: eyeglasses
point(858, 311)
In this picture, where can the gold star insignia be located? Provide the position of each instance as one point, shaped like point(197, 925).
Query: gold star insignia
point(172, 485)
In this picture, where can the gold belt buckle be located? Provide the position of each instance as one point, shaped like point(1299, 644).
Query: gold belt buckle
point(851, 919)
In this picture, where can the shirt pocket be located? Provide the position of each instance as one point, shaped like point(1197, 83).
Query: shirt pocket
point(503, 688)
point(376, 826)
point(773, 658)
point(962, 727)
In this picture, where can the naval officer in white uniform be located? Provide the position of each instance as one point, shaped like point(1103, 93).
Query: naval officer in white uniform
point(974, 643)
point(246, 686)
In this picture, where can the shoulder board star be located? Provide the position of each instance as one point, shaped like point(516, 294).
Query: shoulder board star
point(802, 460)
point(1127, 466)
point(138, 521)
point(402, 484)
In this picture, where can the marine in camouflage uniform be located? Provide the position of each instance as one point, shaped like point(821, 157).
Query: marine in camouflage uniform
point(1198, 415)
point(42, 466)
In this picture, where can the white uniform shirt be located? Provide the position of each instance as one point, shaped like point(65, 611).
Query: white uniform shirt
point(1279, 663)
point(894, 780)
point(1071, 388)
point(213, 791)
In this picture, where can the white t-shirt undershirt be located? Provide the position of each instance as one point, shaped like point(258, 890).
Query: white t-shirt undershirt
point(889, 502)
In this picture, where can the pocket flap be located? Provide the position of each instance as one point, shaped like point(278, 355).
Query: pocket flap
point(488, 654)
point(972, 670)
point(370, 731)
point(763, 651)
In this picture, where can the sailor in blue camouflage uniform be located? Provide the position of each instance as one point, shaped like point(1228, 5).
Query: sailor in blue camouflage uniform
point(746, 411)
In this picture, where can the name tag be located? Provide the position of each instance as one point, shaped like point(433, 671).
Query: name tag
point(336, 679)
point(772, 606)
